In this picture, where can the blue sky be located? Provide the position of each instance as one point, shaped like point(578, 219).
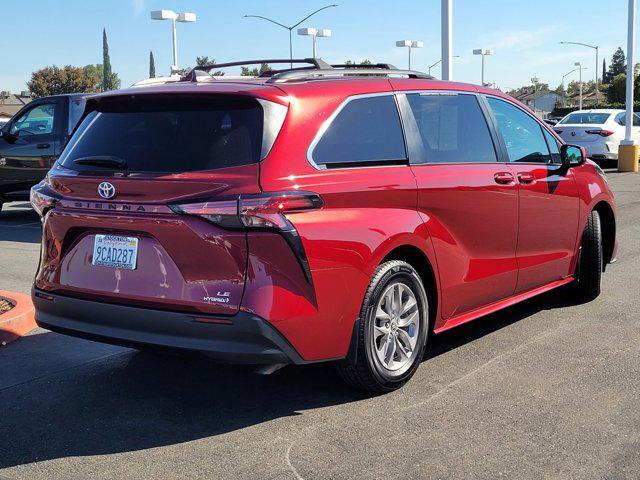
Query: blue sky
point(524, 35)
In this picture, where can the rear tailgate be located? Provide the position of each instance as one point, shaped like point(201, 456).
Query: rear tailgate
point(579, 133)
point(132, 247)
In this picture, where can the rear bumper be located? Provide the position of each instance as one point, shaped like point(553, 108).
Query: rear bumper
point(249, 339)
point(599, 150)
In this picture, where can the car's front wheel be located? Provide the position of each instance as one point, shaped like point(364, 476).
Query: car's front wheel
point(589, 269)
point(392, 330)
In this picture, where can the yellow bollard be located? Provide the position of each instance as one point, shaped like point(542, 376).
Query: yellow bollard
point(628, 158)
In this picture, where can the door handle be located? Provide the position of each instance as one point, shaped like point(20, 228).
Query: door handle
point(526, 178)
point(504, 178)
point(42, 146)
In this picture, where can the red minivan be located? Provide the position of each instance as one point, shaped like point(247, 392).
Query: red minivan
point(321, 213)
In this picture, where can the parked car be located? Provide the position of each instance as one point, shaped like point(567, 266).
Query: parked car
point(599, 131)
point(32, 140)
point(325, 214)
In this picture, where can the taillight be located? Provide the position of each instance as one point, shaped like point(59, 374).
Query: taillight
point(602, 133)
point(42, 198)
point(259, 212)
point(262, 211)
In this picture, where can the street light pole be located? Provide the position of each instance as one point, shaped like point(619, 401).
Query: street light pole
point(596, 48)
point(174, 17)
point(314, 32)
point(483, 52)
point(410, 44)
point(628, 150)
point(291, 27)
point(577, 64)
point(563, 77)
point(446, 35)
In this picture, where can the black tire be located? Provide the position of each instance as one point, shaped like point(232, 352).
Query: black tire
point(363, 370)
point(589, 272)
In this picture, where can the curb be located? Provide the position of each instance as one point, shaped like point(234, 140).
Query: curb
point(18, 321)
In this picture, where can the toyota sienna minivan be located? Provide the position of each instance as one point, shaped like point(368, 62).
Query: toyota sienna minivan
point(313, 214)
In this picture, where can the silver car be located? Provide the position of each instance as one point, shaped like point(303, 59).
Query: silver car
point(599, 131)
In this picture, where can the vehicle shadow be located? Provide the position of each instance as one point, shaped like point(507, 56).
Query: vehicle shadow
point(130, 401)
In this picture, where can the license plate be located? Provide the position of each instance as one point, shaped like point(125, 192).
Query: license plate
point(115, 251)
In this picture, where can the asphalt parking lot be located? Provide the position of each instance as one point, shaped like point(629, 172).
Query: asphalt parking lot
point(546, 389)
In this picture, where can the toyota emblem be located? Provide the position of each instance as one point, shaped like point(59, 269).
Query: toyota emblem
point(106, 190)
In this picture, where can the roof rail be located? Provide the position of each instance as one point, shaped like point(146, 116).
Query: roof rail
point(313, 63)
point(313, 68)
point(293, 75)
point(384, 66)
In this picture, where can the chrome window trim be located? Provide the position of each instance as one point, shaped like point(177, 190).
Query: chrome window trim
point(327, 123)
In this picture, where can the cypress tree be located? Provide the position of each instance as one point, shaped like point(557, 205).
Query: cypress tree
point(107, 83)
point(152, 65)
point(618, 64)
point(604, 71)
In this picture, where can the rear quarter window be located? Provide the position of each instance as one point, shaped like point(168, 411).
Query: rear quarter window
point(367, 130)
point(169, 135)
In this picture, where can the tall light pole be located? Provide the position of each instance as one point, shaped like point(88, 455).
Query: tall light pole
point(446, 35)
point(580, 67)
point(410, 44)
point(314, 32)
point(628, 150)
point(484, 52)
point(563, 77)
point(595, 47)
point(185, 17)
point(292, 26)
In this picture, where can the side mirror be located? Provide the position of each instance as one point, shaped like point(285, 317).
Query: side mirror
point(572, 156)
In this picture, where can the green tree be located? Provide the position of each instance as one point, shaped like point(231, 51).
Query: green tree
point(205, 62)
point(618, 64)
point(616, 91)
point(55, 81)
point(107, 77)
point(97, 72)
point(364, 62)
point(152, 65)
point(255, 72)
point(605, 78)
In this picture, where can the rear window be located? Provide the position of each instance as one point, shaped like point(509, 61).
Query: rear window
point(167, 135)
point(591, 118)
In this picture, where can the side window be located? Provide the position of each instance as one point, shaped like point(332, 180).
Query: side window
point(522, 134)
point(366, 130)
point(552, 143)
point(35, 121)
point(453, 128)
point(622, 117)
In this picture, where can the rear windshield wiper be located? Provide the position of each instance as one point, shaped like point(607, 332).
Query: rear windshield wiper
point(102, 161)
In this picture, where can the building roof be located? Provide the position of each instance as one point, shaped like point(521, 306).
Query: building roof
point(10, 103)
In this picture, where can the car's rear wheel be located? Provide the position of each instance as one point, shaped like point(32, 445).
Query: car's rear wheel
point(392, 330)
point(589, 272)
